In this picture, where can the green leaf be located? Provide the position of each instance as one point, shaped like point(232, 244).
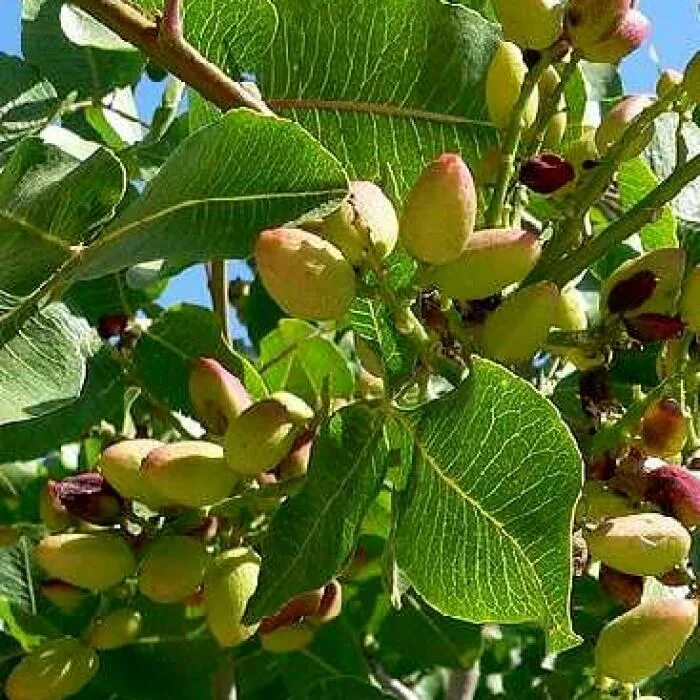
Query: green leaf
point(297, 358)
point(223, 185)
point(27, 101)
point(102, 397)
point(16, 582)
point(164, 355)
point(50, 201)
point(341, 689)
point(313, 533)
point(386, 85)
point(484, 532)
point(82, 30)
point(635, 180)
point(92, 72)
point(604, 83)
point(43, 366)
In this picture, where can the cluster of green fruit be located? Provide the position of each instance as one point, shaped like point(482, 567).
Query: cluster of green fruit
point(141, 524)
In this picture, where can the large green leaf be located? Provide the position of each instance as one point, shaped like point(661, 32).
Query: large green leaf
point(90, 71)
point(340, 688)
point(165, 352)
point(484, 532)
point(27, 101)
point(385, 84)
point(313, 533)
point(49, 202)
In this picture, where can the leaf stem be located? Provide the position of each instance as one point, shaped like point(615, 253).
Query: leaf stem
point(217, 273)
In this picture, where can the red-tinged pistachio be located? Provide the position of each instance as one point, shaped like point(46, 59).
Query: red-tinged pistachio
point(172, 568)
point(519, 327)
point(120, 464)
point(92, 561)
point(643, 544)
point(260, 438)
point(664, 428)
point(112, 325)
point(653, 328)
point(115, 629)
point(666, 265)
point(627, 36)
point(305, 274)
point(440, 211)
point(284, 640)
point(691, 81)
point(546, 173)
point(229, 583)
point(89, 497)
point(217, 395)
point(630, 293)
point(330, 606)
point(493, 260)
point(64, 596)
point(55, 670)
point(677, 491)
point(365, 221)
point(614, 126)
point(589, 21)
point(294, 611)
point(51, 511)
point(690, 301)
point(644, 640)
point(190, 473)
point(296, 463)
point(504, 82)
point(668, 80)
point(676, 578)
point(531, 24)
point(625, 589)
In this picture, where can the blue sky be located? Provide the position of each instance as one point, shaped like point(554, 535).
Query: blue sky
point(675, 39)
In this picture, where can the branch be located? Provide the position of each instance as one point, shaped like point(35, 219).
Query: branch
point(164, 43)
point(463, 684)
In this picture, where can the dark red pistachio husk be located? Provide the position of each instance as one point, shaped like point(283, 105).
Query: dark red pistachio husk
point(89, 497)
point(112, 325)
point(631, 293)
point(625, 589)
point(676, 491)
point(653, 328)
point(547, 173)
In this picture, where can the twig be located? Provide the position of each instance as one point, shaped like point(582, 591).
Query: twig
point(463, 683)
point(217, 274)
point(392, 685)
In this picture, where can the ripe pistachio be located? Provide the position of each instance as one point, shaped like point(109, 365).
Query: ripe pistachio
point(94, 561)
point(89, 497)
point(666, 265)
point(64, 596)
point(56, 669)
point(614, 126)
point(668, 80)
point(625, 589)
point(641, 642)
point(440, 211)
point(115, 629)
point(112, 325)
point(229, 582)
point(365, 220)
point(191, 473)
point(531, 24)
point(589, 21)
point(644, 544)
point(504, 82)
point(691, 81)
point(690, 301)
point(260, 438)
point(120, 464)
point(172, 568)
point(493, 259)
point(651, 328)
point(677, 491)
point(546, 173)
point(519, 327)
point(283, 640)
point(664, 428)
point(628, 35)
point(217, 395)
point(305, 274)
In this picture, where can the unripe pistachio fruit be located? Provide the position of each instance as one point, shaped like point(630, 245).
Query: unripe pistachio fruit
point(650, 283)
point(556, 127)
point(691, 81)
point(229, 583)
point(116, 629)
point(56, 669)
point(217, 395)
point(493, 259)
point(305, 274)
point(440, 211)
point(64, 596)
point(627, 36)
point(365, 220)
point(93, 561)
point(504, 82)
point(677, 491)
point(668, 80)
point(582, 154)
point(519, 327)
point(288, 638)
point(546, 173)
point(690, 301)
point(190, 473)
point(625, 589)
point(264, 435)
point(172, 568)
point(120, 464)
point(89, 497)
point(664, 429)
point(614, 125)
point(641, 642)
point(644, 544)
point(531, 24)
point(598, 502)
